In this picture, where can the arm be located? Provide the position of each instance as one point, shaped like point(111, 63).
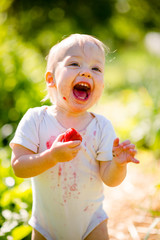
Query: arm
point(113, 172)
point(26, 163)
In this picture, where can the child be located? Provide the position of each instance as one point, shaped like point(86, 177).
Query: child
point(67, 177)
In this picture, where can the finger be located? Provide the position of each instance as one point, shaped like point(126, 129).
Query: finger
point(133, 152)
point(129, 146)
point(74, 154)
point(126, 142)
point(73, 144)
point(60, 137)
point(134, 160)
point(116, 142)
point(75, 151)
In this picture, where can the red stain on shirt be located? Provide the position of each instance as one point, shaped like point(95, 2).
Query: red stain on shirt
point(60, 171)
point(94, 133)
point(85, 209)
point(73, 187)
point(50, 142)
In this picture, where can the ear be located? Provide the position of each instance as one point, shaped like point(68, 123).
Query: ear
point(50, 79)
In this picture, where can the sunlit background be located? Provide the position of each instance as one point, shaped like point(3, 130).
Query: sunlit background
point(131, 98)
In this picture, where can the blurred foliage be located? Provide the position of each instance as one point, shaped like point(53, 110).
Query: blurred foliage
point(15, 202)
point(28, 29)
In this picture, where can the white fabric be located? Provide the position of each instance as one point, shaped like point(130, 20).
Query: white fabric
point(67, 198)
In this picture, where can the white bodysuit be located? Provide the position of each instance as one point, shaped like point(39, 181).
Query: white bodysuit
point(67, 198)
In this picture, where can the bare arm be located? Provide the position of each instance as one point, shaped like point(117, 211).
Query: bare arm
point(26, 163)
point(113, 172)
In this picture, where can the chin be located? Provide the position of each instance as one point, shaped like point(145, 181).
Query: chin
point(81, 108)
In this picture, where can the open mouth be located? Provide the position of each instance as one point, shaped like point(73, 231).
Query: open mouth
point(82, 91)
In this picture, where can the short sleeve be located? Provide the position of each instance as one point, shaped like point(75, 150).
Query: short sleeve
point(104, 152)
point(27, 132)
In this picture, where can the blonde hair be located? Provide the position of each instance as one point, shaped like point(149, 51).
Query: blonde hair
point(55, 52)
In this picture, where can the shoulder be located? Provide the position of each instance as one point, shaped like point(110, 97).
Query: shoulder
point(34, 115)
point(36, 112)
point(104, 127)
point(102, 121)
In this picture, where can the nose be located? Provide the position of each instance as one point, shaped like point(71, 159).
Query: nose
point(85, 73)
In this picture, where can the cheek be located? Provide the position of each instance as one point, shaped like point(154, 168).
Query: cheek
point(98, 93)
point(64, 89)
point(99, 88)
point(65, 85)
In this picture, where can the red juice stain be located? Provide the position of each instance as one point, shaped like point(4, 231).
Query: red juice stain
point(60, 171)
point(50, 142)
point(94, 133)
point(85, 209)
point(73, 187)
point(74, 175)
point(64, 98)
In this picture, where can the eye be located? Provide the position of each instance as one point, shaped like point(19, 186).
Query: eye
point(96, 69)
point(74, 64)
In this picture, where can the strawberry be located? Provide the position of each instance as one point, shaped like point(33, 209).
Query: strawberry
point(70, 135)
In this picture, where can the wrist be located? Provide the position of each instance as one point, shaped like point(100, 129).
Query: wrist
point(49, 156)
point(118, 164)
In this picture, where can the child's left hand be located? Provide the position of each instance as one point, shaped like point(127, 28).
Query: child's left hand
point(124, 152)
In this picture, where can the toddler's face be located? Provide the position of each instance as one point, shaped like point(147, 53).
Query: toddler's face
point(79, 77)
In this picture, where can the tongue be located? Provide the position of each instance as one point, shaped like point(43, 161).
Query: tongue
point(80, 94)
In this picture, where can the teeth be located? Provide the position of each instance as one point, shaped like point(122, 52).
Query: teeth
point(84, 84)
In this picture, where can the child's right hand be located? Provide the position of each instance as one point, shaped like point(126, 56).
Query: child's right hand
point(64, 151)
